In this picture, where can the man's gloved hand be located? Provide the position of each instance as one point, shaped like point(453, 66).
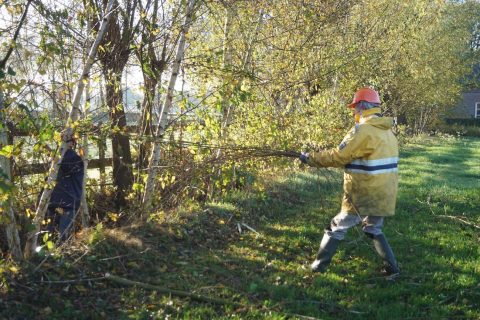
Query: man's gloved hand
point(304, 157)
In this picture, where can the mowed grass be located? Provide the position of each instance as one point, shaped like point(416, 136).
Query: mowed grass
point(433, 234)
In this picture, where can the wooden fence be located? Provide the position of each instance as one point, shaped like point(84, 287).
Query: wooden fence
point(26, 169)
point(100, 163)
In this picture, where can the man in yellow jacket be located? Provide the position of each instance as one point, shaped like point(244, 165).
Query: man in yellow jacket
point(369, 154)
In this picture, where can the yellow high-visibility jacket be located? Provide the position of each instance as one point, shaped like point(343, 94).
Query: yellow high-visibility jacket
point(369, 153)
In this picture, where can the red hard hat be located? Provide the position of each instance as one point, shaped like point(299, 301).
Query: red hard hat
point(365, 94)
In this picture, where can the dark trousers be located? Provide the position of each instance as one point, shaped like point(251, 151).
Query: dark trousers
point(61, 220)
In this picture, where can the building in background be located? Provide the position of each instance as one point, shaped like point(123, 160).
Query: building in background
point(469, 105)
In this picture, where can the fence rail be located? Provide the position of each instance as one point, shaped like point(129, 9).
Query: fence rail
point(37, 168)
point(101, 162)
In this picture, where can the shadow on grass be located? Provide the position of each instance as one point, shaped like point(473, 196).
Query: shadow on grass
point(205, 254)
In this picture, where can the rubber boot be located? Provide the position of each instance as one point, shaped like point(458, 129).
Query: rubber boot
point(328, 247)
point(385, 252)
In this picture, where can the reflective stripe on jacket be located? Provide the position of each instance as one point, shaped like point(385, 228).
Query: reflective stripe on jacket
point(369, 154)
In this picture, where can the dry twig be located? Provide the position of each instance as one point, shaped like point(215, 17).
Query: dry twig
point(170, 291)
point(457, 218)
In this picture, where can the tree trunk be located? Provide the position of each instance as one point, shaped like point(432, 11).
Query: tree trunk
point(145, 128)
point(167, 104)
point(117, 48)
point(122, 158)
point(11, 228)
point(5, 165)
point(32, 236)
point(152, 70)
point(227, 66)
point(84, 205)
point(101, 145)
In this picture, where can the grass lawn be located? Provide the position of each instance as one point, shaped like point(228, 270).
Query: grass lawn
point(435, 236)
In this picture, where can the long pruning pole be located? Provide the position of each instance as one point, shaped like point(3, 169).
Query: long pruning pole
point(73, 116)
point(167, 104)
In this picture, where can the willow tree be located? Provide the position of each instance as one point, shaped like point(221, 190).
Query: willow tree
point(154, 53)
point(416, 57)
point(413, 53)
point(166, 106)
point(116, 48)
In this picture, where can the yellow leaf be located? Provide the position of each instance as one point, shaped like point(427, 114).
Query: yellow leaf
point(57, 136)
point(113, 216)
point(14, 269)
point(80, 288)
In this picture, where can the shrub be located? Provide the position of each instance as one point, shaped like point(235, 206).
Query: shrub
point(459, 129)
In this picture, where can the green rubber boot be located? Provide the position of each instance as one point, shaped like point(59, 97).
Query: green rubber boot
point(328, 247)
point(385, 252)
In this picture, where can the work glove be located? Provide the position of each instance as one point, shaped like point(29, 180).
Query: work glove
point(304, 157)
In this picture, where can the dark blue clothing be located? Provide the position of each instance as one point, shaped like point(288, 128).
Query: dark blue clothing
point(67, 192)
point(61, 222)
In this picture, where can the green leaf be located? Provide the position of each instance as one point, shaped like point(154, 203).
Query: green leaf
point(137, 187)
point(10, 71)
point(50, 245)
point(252, 287)
point(7, 151)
